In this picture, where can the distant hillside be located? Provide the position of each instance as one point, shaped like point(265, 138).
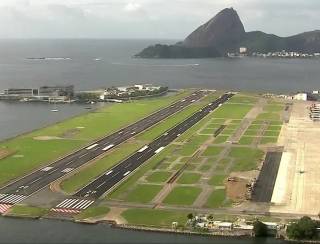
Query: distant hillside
point(225, 33)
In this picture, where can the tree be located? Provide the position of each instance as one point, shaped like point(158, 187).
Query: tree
point(190, 216)
point(305, 228)
point(259, 228)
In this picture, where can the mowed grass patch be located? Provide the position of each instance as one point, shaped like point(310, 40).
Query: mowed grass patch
point(273, 108)
point(220, 139)
point(251, 132)
point(35, 153)
point(83, 177)
point(267, 140)
point(212, 151)
point(159, 177)
point(274, 133)
point(217, 180)
point(232, 111)
point(246, 140)
point(93, 212)
point(154, 217)
point(182, 195)
point(27, 211)
point(222, 164)
point(245, 158)
point(205, 167)
point(143, 193)
point(268, 116)
point(216, 199)
point(243, 99)
point(189, 178)
point(132, 179)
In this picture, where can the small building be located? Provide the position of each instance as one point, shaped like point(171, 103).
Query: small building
point(301, 96)
point(243, 50)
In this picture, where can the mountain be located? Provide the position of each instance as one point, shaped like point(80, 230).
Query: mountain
point(225, 33)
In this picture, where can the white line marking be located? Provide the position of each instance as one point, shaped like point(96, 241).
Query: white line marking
point(108, 173)
point(3, 195)
point(107, 147)
point(67, 170)
point(47, 169)
point(60, 204)
point(159, 150)
point(73, 202)
point(92, 146)
point(142, 149)
point(83, 155)
point(128, 172)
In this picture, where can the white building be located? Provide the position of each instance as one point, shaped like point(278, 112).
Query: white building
point(301, 96)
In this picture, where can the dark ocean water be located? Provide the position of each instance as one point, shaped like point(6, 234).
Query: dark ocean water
point(116, 67)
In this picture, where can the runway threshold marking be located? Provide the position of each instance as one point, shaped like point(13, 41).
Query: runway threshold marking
point(108, 147)
point(92, 146)
point(11, 199)
point(159, 150)
point(4, 208)
point(3, 195)
point(72, 205)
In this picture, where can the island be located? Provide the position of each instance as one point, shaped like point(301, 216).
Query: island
point(225, 34)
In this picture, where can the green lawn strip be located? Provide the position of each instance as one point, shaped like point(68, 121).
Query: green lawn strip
point(143, 193)
point(27, 211)
point(217, 180)
point(212, 151)
point(93, 212)
point(232, 111)
point(258, 122)
point(227, 132)
point(177, 166)
point(254, 127)
point(273, 108)
point(217, 121)
point(266, 140)
point(188, 149)
point(246, 140)
point(222, 164)
point(81, 129)
point(274, 133)
point(154, 217)
point(236, 121)
point(232, 127)
point(182, 195)
point(208, 131)
point(245, 158)
point(191, 167)
point(159, 177)
point(268, 116)
point(164, 165)
point(205, 167)
point(243, 99)
point(83, 177)
point(251, 132)
point(216, 199)
point(276, 122)
point(220, 139)
point(131, 180)
point(189, 178)
point(274, 127)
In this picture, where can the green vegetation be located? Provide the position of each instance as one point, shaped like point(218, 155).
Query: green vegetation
point(189, 178)
point(259, 229)
point(159, 177)
point(273, 108)
point(182, 195)
point(75, 132)
point(221, 139)
point(216, 199)
point(266, 140)
point(143, 193)
point(268, 116)
point(217, 180)
point(246, 140)
point(154, 217)
point(232, 111)
point(243, 99)
point(274, 133)
point(245, 158)
point(27, 211)
point(93, 212)
point(212, 151)
point(304, 229)
point(83, 177)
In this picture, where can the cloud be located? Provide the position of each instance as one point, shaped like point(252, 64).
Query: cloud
point(132, 7)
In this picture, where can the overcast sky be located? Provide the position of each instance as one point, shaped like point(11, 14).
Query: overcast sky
point(168, 19)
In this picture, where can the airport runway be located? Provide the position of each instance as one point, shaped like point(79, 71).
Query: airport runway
point(111, 178)
point(22, 188)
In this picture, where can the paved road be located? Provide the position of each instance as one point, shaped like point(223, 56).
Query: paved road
point(20, 189)
point(111, 178)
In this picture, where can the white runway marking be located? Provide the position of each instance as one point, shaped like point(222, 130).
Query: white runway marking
point(159, 150)
point(107, 147)
point(92, 146)
point(47, 169)
point(128, 172)
point(67, 170)
point(142, 149)
point(4, 208)
point(11, 199)
point(3, 195)
point(74, 204)
point(108, 173)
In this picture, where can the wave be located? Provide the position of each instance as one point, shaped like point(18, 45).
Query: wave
point(157, 65)
point(50, 58)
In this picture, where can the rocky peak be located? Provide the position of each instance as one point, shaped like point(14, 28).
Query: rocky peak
point(224, 29)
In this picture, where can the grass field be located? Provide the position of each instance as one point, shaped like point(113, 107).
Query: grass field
point(216, 199)
point(246, 158)
point(76, 132)
point(93, 212)
point(27, 211)
point(232, 111)
point(217, 180)
point(154, 217)
point(143, 193)
point(189, 178)
point(212, 151)
point(159, 177)
point(182, 195)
